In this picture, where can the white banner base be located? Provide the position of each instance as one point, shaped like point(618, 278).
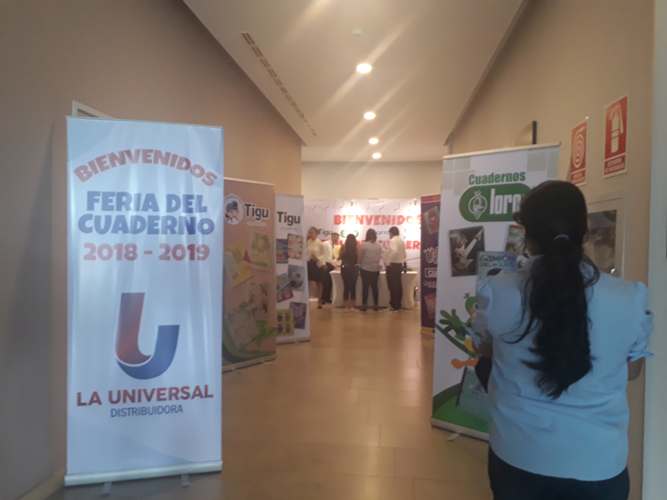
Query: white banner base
point(246, 364)
point(291, 340)
point(463, 431)
point(128, 475)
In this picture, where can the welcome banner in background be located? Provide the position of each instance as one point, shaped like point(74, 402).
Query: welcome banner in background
point(430, 225)
point(293, 318)
point(481, 191)
point(144, 395)
point(249, 322)
point(357, 216)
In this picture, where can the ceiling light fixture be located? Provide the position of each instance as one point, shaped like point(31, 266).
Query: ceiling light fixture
point(369, 115)
point(364, 68)
point(373, 141)
point(377, 155)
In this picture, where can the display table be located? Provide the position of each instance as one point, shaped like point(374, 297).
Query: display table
point(408, 279)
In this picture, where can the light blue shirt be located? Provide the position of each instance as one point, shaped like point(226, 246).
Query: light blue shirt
point(582, 434)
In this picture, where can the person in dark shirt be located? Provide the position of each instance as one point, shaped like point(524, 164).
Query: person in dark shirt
point(349, 258)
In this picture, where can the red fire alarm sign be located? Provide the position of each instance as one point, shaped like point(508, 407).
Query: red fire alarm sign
point(578, 149)
point(616, 137)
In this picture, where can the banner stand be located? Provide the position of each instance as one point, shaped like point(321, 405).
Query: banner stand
point(430, 227)
point(130, 475)
point(284, 341)
point(477, 238)
point(145, 299)
point(246, 364)
point(292, 291)
point(458, 429)
point(249, 305)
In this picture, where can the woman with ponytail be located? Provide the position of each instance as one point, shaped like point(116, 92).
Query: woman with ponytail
point(563, 339)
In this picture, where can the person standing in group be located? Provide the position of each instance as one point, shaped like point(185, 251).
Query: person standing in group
point(394, 261)
point(336, 248)
point(564, 341)
point(349, 257)
point(315, 264)
point(329, 265)
point(370, 254)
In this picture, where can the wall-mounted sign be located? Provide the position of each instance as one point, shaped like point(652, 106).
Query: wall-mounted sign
point(578, 153)
point(616, 137)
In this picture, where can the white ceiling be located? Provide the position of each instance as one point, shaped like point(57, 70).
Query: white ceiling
point(428, 57)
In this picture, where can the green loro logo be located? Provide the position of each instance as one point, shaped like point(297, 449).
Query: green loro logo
point(495, 203)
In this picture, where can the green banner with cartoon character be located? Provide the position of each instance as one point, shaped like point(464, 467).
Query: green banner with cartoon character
point(481, 192)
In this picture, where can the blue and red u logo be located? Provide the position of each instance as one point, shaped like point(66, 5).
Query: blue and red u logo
point(133, 362)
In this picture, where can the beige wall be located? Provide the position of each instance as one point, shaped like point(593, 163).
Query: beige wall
point(147, 60)
point(370, 180)
point(566, 60)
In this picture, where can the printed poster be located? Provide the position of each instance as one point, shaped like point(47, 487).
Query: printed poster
point(578, 153)
point(472, 397)
point(481, 192)
point(357, 216)
point(250, 285)
point(616, 137)
point(292, 286)
point(430, 224)
point(144, 393)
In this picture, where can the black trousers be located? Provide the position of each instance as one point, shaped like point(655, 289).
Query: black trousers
point(510, 483)
point(327, 283)
point(395, 285)
point(369, 279)
point(314, 272)
point(349, 275)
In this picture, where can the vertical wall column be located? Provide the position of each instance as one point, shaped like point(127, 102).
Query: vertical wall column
point(655, 439)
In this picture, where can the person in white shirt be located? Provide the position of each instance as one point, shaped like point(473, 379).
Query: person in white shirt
point(316, 263)
point(336, 247)
point(328, 254)
point(394, 260)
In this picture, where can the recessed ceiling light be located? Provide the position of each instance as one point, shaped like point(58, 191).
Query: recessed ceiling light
point(369, 115)
point(364, 68)
point(373, 141)
point(377, 155)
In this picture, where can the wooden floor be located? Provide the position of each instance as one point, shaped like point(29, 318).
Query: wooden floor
point(345, 416)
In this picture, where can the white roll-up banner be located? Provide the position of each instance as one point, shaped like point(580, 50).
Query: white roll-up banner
point(480, 193)
point(144, 299)
point(293, 318)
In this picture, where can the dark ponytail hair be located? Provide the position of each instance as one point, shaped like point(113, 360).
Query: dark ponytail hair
point(555, 217)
